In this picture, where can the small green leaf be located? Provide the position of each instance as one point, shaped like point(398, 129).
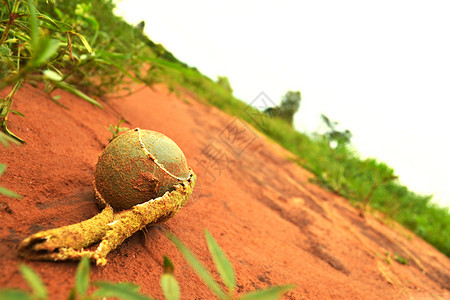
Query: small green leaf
point(14, 295)
point(6, 139)
point(223, 265)
point(170, 287)
point(52, 75)
point(168, 265)
point(34, 281)
point(82, 277)
point(122, 290)
point(401, 260)
point(54, 24)
point(198, 267)
point(56, 97)
point(84, 41)
point(9, 193)
point(4, 51)
point(117, 66)
point(17, 112)
point(45, 49)
point(271, 293)
point(2, 168)
point(34, 26)
point(65, 86)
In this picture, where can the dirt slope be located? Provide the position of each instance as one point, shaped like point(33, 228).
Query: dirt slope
point(274, 225)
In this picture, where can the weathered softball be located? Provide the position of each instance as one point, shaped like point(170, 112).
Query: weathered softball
point(136, 167)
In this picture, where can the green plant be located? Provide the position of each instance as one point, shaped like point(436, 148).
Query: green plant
point(116, 129)
point(223, 82)
point(226, 272)
point(128, 291)
point(168, 282)
point(121, 290)
point(29, 55)
point(5, 140)
point(43, 43)
point(290, 103)
point(4, 191)
point(401, 260)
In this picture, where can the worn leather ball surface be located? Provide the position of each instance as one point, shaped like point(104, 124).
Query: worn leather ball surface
point(126, 175)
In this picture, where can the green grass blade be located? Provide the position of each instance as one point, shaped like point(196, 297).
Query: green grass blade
point(34, 281)
point(84, 41)
point(17, 112)
point(46, 48)
point(198, 267)
point(43, 48)
point(33, 26)
point(82, 277)
point(118, 67)
point(54, 24)
point(121, 290)
point(4, 50)
point(12, 135)
point(170, 287)
point(168, 265)
point(223, 265)
point(75, 91)
point(168, 282)
point(14, 295)
point(6, 139)
point(271, 293)
point(4, 191)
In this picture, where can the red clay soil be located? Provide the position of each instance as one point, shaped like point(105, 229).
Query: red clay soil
point(275, 226)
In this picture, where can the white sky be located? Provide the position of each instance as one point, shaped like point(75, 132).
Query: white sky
point(380, 68)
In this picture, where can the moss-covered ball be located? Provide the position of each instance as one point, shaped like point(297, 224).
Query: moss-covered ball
point(138, 166)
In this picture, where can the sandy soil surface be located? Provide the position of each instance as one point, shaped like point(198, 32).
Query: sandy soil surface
point(275, 226)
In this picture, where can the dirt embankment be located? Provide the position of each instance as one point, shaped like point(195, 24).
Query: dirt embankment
point(275, 226)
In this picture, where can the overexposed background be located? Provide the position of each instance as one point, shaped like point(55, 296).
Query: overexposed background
point(379, 68)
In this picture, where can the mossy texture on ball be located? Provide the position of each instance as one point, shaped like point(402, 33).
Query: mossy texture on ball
point(127, 173)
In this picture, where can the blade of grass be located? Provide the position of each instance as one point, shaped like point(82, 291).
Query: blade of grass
point(82, 277)
point(83, 40)
point(8, 132)
point(14, 295)
point(5, 191)
point(223, 265)
point(45, 49)
point(120, 290)
point(16, 112)
point(132, 77)
point(9, 193)
point(73, 90)
point(34, 281)
point(198, 267)
point(168, 282)
point(170, 287)
point(2, 168)
point(6, 139)
point(33, 26)
point(271, 293)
